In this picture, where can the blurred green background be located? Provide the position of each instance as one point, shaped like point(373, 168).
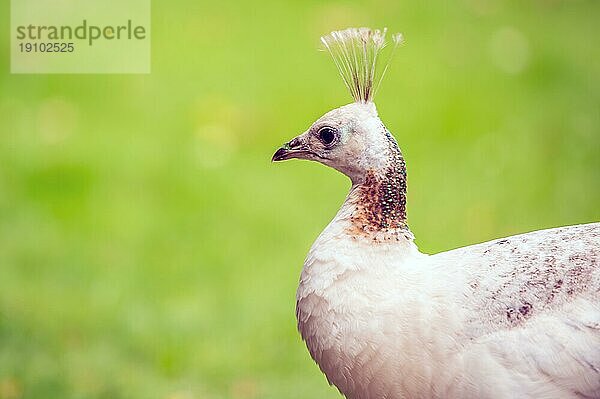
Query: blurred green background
point(148, 247)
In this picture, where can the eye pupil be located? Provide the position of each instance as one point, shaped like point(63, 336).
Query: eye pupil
point(326, 135)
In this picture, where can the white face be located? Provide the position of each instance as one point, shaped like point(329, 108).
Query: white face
point(350, 139)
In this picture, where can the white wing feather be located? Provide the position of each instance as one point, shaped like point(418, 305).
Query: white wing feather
point(515, 317)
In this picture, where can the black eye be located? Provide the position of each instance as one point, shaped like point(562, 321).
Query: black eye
point(327, 135)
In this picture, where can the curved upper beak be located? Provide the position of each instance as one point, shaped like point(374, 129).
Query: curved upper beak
point(295, 148)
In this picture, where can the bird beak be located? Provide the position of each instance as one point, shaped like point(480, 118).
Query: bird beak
point(296, 148)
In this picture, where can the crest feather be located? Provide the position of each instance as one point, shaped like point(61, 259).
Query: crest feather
point(355, 52)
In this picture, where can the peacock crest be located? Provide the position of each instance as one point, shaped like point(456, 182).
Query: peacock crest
point(355, 52)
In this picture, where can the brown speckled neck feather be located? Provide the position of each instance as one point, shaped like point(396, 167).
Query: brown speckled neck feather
point(381, 198)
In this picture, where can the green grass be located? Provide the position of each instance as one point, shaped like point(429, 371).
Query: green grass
point(148, 247)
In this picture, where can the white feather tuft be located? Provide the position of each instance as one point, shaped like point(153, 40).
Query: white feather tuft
point(355, 52)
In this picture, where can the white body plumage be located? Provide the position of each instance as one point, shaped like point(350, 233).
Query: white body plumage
point(383, 320)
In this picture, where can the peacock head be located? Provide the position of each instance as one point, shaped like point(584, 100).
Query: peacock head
point(351, 139)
